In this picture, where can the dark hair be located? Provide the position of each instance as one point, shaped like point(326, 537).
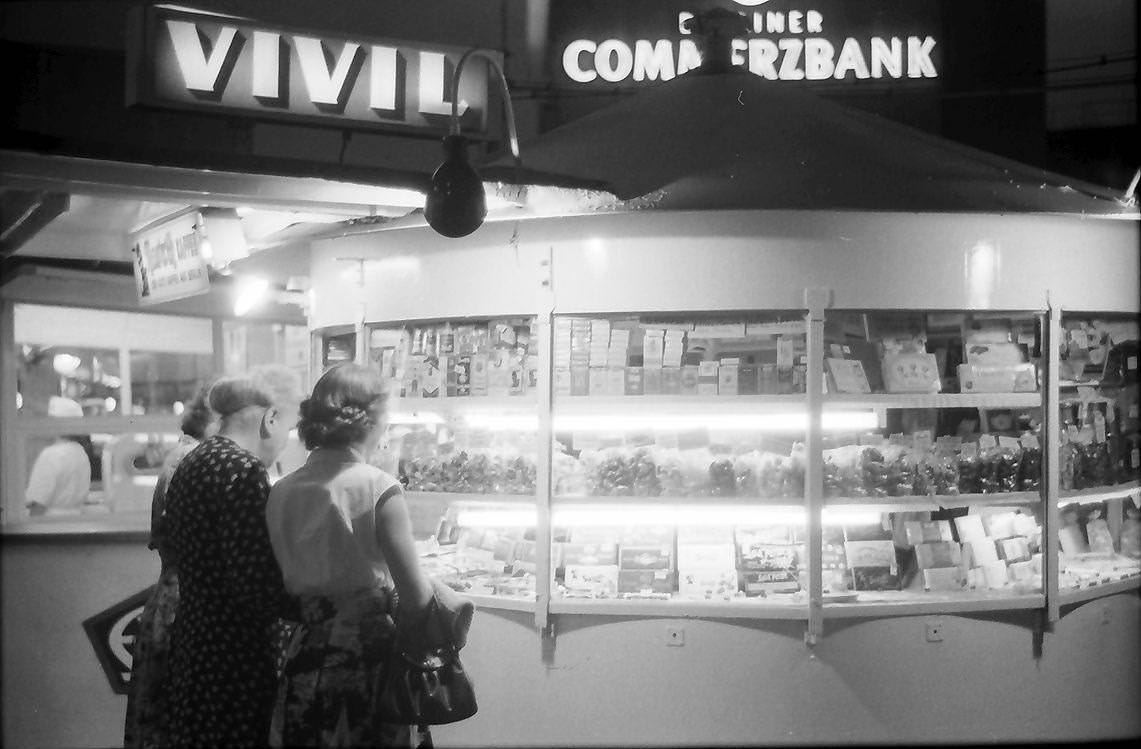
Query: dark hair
point(198, 414)
point(346, 404)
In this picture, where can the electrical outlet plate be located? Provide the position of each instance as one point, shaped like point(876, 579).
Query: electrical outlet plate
point(934, 631)
point(675, 636)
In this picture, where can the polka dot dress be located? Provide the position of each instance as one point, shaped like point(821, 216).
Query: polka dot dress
point(222, 679)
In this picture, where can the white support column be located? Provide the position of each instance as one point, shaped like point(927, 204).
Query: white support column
point(1051, 446)
point(544, 485)
point(816, 300)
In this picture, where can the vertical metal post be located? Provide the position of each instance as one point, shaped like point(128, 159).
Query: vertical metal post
point(544, 403)
point(11, 442)
point(218, 339)
point(1051, 446)
point(815, 299)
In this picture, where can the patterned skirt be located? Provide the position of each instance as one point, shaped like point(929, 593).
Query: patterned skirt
point(146, 696)
point(335, 658)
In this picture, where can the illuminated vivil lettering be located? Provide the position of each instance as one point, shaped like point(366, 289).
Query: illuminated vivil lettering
point(329, 75)
point(785, 58)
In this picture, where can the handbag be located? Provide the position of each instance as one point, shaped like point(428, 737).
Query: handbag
point(426, 685)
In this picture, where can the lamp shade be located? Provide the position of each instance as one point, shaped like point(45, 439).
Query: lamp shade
point(456, 204)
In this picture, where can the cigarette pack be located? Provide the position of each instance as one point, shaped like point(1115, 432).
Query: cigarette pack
point(652, 380)
point(479, 374)
point(580, 380)
point(748, 379)
point(634, 380)
point(689, 379)
point(561, 380)
point(615, 381)
point(671, 381)
point(727, 379)
point(597, 381)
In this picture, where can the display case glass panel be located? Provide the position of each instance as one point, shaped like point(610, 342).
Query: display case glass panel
point(1099, 453)
point(949, 483)
point(461, 437)
point(678, 462)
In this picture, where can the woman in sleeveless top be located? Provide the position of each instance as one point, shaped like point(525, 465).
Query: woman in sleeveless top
point(342, 536)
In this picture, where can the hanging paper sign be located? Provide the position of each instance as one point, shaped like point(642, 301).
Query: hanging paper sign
point(112, 634)
point(168, 259)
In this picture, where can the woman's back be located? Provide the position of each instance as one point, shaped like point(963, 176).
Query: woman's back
point(322, 524)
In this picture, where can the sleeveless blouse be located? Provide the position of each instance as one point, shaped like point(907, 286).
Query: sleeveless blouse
point(322, 525)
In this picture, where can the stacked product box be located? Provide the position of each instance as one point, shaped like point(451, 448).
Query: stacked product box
point(646, 564)
point(938, 557)
point(1001, 549)
point(706, 563)
point(449, 360)
point(768, 560)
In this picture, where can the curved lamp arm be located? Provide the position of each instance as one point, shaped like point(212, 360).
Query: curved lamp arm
point(454, 126)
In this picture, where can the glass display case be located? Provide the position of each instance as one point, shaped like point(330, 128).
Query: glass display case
point(767, 464)
point(461, 437)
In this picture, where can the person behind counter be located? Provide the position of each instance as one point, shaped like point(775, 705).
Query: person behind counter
point(61, 474)
point(222, 680)
point(146, 698)
point(341, 532)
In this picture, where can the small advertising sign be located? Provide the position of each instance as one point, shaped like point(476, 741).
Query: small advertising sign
point(112, 635)
point(168, 259)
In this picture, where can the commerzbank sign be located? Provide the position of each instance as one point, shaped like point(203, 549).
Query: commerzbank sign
point(189, 59)
point(836, 40)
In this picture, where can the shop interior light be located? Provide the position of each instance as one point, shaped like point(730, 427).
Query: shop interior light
point(65, 365)
point(251, 291)
point(457, 201)
point(502, 422)
point(404, 417)
point(522, 517)
point(761, 422)
point(695, 515)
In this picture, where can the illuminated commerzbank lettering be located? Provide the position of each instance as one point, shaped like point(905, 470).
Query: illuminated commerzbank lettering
point(788, 51)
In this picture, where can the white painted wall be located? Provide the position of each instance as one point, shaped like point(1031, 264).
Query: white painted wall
point(612, 681)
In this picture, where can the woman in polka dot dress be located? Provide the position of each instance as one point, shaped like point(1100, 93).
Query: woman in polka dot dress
point(222, 679)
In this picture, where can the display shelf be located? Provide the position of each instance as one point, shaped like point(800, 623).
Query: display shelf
point(1080, 595)
point(910, 604)
point(694, 502)
point(458, 497)
point(918, 503)
point(936, 400)
point(1100, 493)
point(465, 404)
point(738, 608)
point(505, 603)
point(591, 404)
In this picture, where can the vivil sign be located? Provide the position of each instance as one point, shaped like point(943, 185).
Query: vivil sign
point(189, 59)
point(601, 44)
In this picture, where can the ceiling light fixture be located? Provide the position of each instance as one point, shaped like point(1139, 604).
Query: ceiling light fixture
point(456, 204)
